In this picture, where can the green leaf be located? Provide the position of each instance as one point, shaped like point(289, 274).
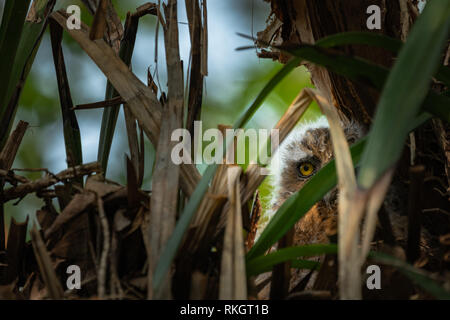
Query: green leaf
point(304, 264)
point(363, 71)
point(30, 41)
point(354, 68)
point(265, 263)
point(405, 90)
point(111, 114)
point(438, 105)
point(368, 38)
point(174, 242)
point(376, 40)
point(443, 75)
point(109, 120)
point(72, 137)
point(10, 34)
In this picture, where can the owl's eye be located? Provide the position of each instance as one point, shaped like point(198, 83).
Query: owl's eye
point(306, 169)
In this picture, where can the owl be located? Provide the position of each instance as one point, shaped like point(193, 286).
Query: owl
point(304, 152)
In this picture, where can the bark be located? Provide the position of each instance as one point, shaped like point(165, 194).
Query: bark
point(304, 21)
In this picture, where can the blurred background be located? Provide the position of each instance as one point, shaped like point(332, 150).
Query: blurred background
point(234, 80)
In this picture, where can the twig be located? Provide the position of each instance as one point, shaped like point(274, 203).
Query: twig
point(2, 231)
point(72, 138)
point(233, 283)
point(7, 156)
point(196, 77)
point(115, 284)
point(310, 295)
point(281, 274)
point(412, 148)
point(417, 175)
point(386, 227)
point(99, 105)
point(204, 68)
point(114, 25)
point(142, 101)
point(148, 8)
point(45, 266)
point(24, 189)
point(15, 253)
point(8, 153)
point(255, 215)
point(12, 178)
point(99, 24)
point(105, 250)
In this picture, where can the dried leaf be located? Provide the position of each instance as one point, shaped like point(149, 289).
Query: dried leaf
point(233, 280)
point(79, 204)
point(45, 266)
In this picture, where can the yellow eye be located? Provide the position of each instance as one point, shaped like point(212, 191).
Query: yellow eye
point(306, 169)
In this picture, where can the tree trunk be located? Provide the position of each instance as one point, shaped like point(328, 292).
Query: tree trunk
point(304, 21)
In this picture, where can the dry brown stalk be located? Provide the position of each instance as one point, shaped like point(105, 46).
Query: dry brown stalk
point(101, 284)
point(45, 266)
point(166, 176)
point(9, 151)
point(233, 280)
point(98, 105)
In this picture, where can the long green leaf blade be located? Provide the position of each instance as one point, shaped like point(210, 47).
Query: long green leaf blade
point(376, 40)
point(367, 38)
point(363, 71)
point(30, 41)
point(72, 136)
point(265, 263)
point(10, 35)
point(109, 120)
point(110, 115)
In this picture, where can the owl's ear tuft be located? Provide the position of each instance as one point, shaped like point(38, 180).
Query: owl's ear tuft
point(353, 131)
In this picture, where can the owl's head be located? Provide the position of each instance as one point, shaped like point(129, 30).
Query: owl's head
point(304, 152)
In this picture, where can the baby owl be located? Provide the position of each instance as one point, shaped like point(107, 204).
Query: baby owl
point(304, 152)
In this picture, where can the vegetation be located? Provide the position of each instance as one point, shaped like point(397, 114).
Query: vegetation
point(184, 238)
